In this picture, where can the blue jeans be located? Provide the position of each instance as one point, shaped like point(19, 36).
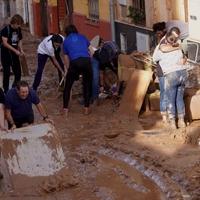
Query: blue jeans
point(175, 86)
point(163, 99)
point(95, 81)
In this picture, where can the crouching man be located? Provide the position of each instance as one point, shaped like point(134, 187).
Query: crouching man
point(18, 106)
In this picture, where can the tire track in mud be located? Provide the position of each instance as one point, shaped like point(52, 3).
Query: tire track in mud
point(169, 187)
point(99, 145)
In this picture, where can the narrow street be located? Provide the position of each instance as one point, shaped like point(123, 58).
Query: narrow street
point(111, 156)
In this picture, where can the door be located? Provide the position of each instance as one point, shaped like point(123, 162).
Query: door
point(44, 19)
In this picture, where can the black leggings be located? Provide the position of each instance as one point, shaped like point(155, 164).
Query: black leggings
point(79, 66)
point(10, 59)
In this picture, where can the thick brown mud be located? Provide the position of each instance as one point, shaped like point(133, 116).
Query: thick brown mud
point(109, 156)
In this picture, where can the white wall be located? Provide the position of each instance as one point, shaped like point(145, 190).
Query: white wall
point(13, 8)
point(31, 20)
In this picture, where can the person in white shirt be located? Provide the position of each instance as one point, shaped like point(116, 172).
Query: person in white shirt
point(183, 27)
point(161, 28)
point(50, 47)
point(175, 74)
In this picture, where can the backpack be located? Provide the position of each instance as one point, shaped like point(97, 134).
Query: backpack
point(108, 52)
point(8, 29)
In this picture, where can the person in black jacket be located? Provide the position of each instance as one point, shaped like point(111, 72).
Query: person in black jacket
point(107, 56)
point(11, 49)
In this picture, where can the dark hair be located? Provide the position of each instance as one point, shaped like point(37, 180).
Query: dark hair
point(171, 38)
point(174, 29)
point(21, 84)
point(57, 38)
point(70, 29)
point(160, 26)
point(17, 19)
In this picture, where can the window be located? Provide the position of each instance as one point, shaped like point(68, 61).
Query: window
point(139, 4)
point(123, 42)
point(93, 7)
point(123, 11)
point(137, 11)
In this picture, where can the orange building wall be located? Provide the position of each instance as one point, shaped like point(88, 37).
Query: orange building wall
point(90, 29)
point(53, 16)
point(85, 26)
point(37, 18)
point(62, 15)
point(53, 24)
point(62, 9)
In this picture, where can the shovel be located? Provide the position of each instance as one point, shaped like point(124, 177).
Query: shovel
point(63, 79)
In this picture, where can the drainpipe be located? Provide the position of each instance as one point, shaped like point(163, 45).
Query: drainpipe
point(69, 10)
point(58, 19)
point(112, 19)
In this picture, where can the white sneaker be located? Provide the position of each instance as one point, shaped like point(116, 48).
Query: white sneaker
point(181, 123)
point(172, 124)
point(164, 117)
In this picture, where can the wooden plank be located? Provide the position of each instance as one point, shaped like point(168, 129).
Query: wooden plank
point(24, 65)
point(135, 92)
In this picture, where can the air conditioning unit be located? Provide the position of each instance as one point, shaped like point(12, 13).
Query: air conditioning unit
point(193, 42)
point(194, 19)
point(193, 49)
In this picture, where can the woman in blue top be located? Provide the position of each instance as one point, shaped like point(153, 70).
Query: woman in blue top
point(77, 61)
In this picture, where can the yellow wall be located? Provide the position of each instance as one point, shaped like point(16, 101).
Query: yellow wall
point(104, 10)
point(165, 10)
point(52, 2)
point(81, 7)
point(178, 10)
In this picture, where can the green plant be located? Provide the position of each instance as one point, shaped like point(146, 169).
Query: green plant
point(137, 15)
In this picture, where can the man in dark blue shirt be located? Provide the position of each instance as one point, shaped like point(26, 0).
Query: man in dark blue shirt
point(18, 104)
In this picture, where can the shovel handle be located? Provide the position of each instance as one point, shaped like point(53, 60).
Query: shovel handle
point(63, 78)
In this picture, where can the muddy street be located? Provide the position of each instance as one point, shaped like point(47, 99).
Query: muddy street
point(111, 156)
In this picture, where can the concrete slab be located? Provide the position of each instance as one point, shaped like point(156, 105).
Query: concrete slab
point(33, 151)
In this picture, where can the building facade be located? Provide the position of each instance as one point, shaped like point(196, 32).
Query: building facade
point(134, 20)
point(51, 16)
point(92, 17)
point(10, 7)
